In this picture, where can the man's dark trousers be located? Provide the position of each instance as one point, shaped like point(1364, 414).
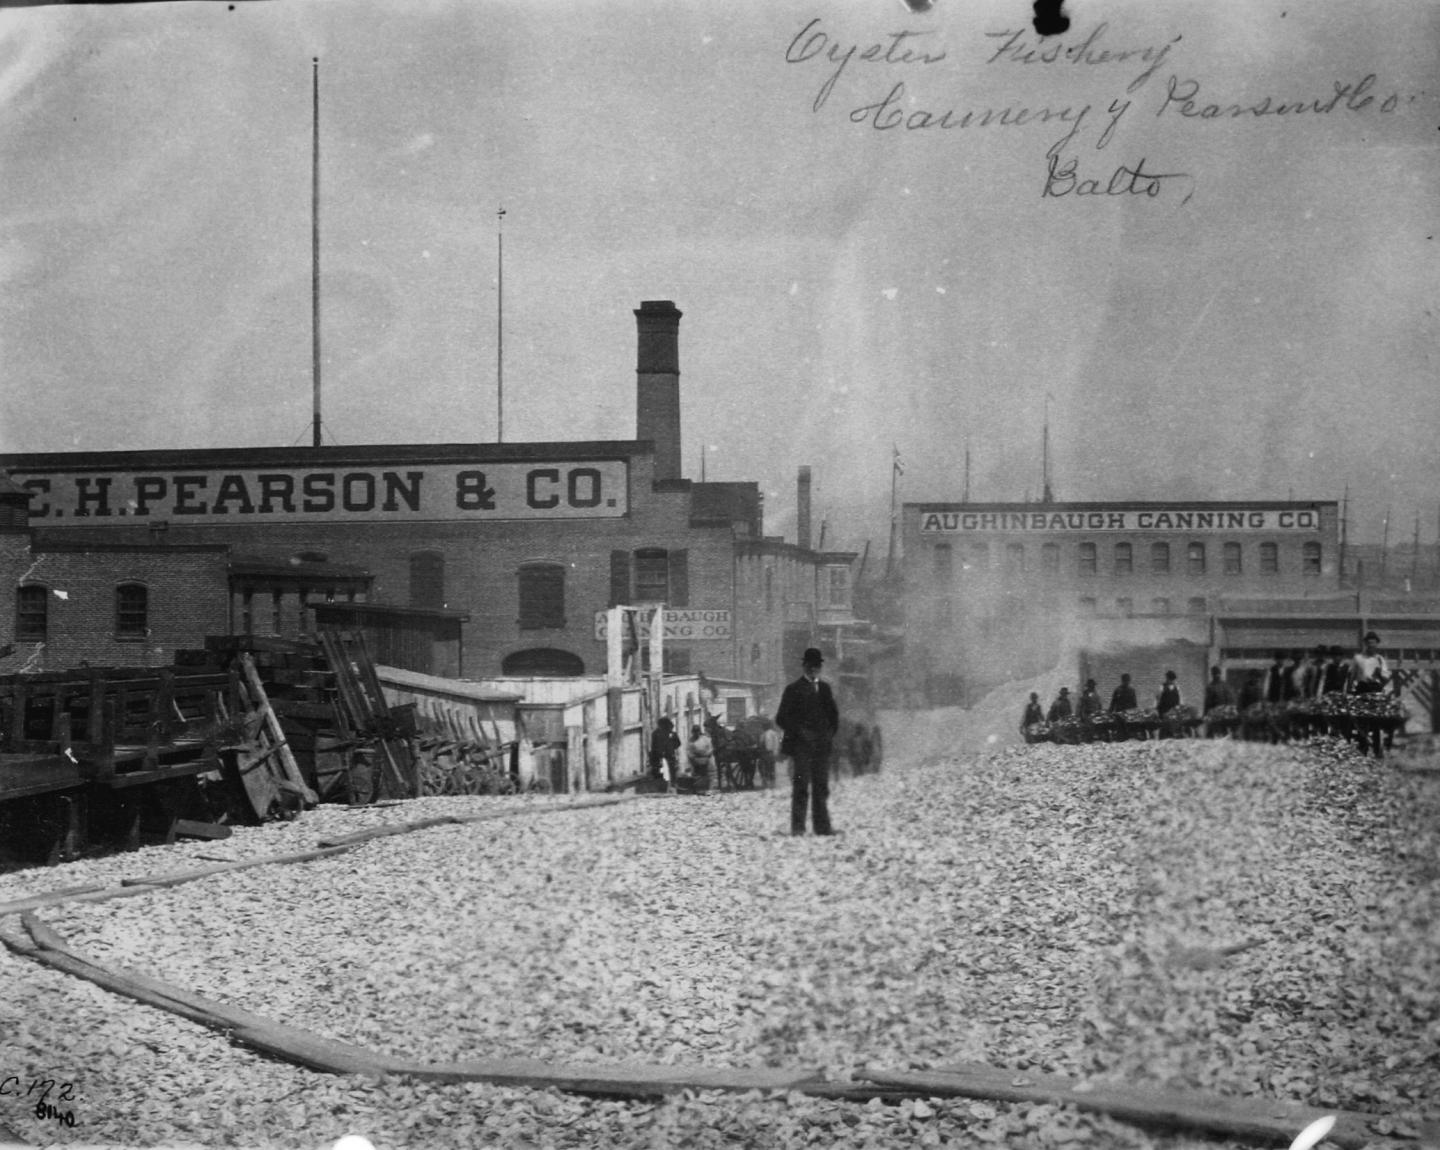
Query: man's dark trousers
point(810, 787)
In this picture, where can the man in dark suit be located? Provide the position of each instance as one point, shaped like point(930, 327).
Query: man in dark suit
point(809, 719)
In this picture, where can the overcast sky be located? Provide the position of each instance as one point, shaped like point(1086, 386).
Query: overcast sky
point(1261, 321)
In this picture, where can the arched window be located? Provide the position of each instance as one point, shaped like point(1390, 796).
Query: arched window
point(1233, 561)
point(32, 613)
point(1160, 558)
point(543, 661)
point(1310, 559)
point(542, 596)
point(1269, 559)
point(132, 611)
point(1195, 557)
point(1124, 559)
point(1050, 558)
point(427, 579)
point(1087, 559)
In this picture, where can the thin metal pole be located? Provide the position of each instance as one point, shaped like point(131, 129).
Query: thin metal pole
point(315, 255)
point(500, 327)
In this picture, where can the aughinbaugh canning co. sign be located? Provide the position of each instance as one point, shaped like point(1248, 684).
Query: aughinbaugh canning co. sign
point(678, 623)
point(1123, 519)
point(300, 495)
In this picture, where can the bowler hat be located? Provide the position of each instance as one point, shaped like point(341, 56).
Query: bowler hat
point(812, 657)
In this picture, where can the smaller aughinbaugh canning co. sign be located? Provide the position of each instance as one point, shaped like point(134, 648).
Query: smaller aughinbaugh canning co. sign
point(308, 495)
point(1122, 519)
point(678, 623)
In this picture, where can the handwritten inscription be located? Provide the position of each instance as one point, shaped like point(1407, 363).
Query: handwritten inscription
point(1183, 97)
point(14, 1087)
point(1082, 126)
point(1063, 179)
point(897, 48)
point(1017, 48)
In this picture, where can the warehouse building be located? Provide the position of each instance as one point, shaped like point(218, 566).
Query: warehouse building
point(458, 559)
point(1000, 591)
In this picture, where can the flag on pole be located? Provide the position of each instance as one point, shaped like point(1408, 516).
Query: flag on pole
point(899, 466)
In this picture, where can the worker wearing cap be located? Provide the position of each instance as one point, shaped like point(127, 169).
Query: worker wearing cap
point(1369, 675)
point(809, 719)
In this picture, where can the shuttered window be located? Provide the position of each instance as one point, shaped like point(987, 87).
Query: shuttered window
point(542, 596)
point(619, 577)
point(660, 576)
point(652, 576)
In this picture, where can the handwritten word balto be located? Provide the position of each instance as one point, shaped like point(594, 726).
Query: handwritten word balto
point(1064, 179)
point(896, 48)
point(1017, 48)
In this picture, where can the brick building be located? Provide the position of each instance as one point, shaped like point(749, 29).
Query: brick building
point(500, 556)
point(1000, 591)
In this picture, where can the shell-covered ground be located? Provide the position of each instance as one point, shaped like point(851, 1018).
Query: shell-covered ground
point(1208, 915)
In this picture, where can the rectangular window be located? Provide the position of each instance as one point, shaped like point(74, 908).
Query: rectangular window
point(1087, 605)
point(1124, 559)
point(427, 579)
point(1086, 559)
point(1125, 606)
point(1310, 559)
point(1195, 558)
point(542, 597)
point(1160, 558)
point(1232, 559)
point(132, 611)
point(1196, 606)
point(839, 586)
point(673, 661)
point(32, 614)
point(944, 562)
point(1269, 558)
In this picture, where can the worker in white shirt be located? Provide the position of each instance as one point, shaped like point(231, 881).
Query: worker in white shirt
point(1369, 675)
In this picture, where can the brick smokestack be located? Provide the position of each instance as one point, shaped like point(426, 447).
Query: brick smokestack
point(657, 390)
point(802, 509)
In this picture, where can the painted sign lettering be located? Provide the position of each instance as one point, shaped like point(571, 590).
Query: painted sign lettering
point(294, 495)
point(1126, 519)
point(680, 624)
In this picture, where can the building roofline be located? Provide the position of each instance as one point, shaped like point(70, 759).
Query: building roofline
point(1115, 504)
point(67, 546)
point(371, 454)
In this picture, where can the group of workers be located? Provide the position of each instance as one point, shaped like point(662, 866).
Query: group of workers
point(1292, 678)
point(1122, 699)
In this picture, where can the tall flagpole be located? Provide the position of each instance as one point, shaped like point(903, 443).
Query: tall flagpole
point(315, 254)
point(500, 327)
